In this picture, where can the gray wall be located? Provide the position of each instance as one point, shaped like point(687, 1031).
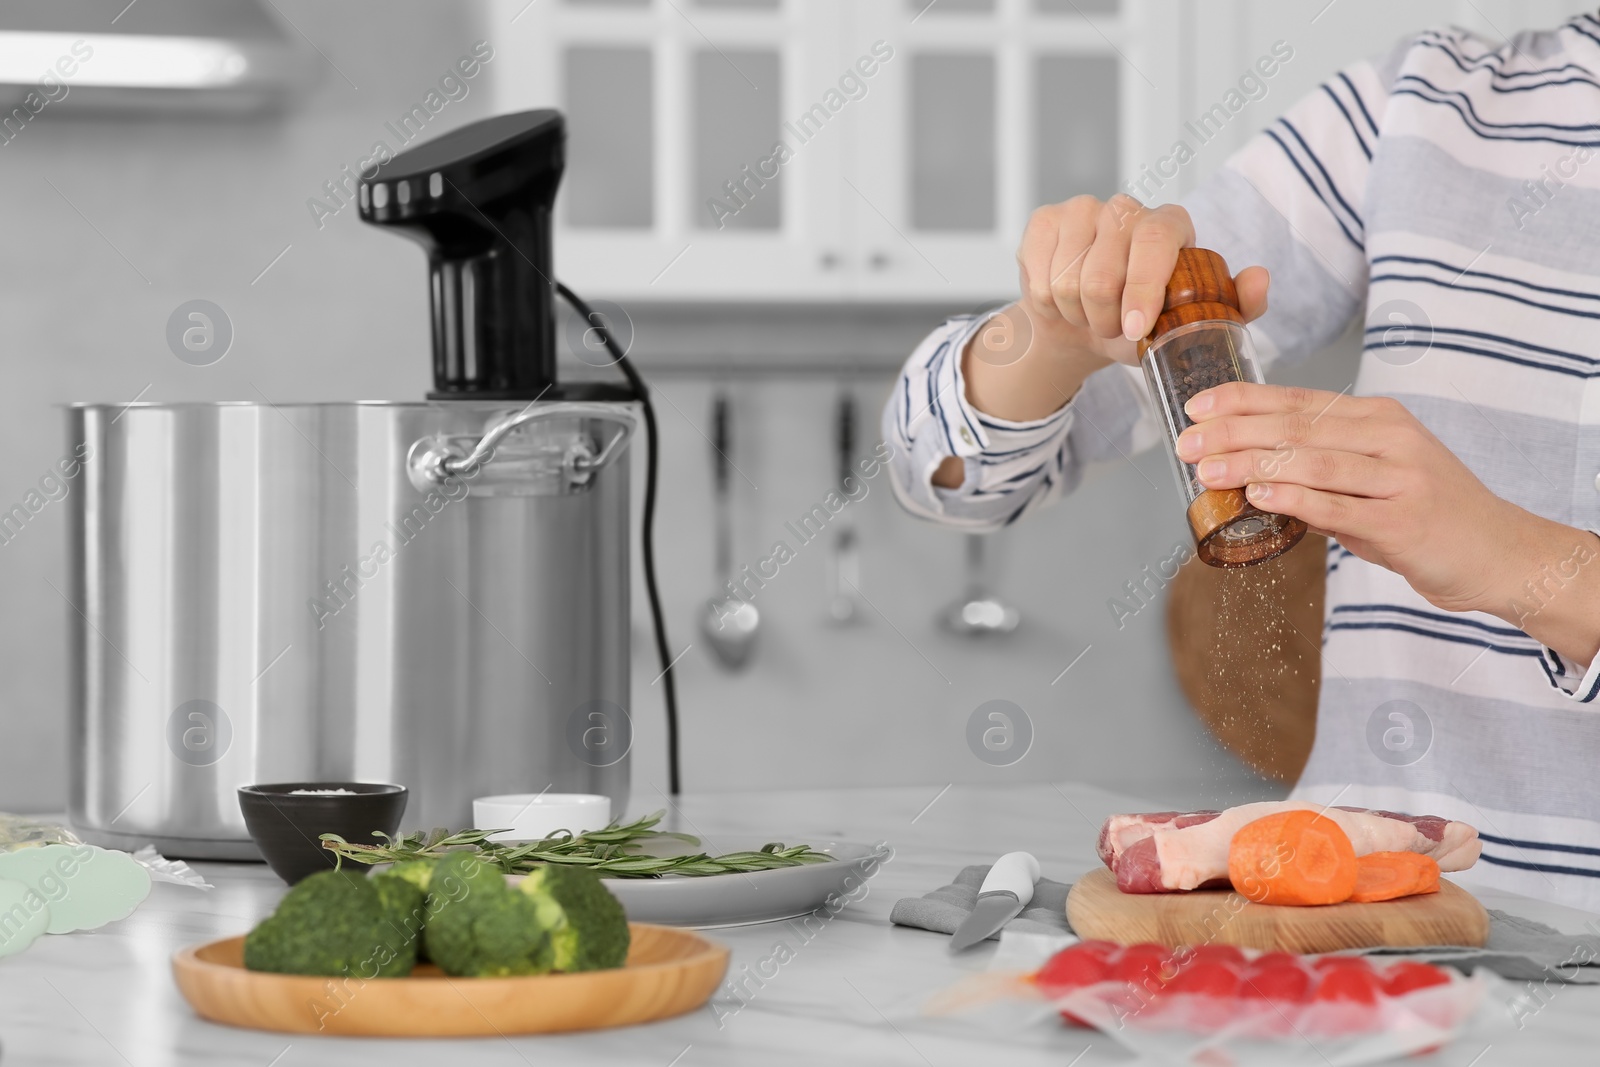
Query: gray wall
point(889, 699)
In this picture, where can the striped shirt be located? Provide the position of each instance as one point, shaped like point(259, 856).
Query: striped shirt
point(1451, 192)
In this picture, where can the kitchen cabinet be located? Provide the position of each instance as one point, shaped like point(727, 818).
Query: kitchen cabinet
point(989, 109)
point(829, 149)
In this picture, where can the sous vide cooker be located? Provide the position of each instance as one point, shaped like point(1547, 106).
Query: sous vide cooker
point(433, 593)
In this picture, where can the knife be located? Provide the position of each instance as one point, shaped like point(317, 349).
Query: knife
point(1006, 890)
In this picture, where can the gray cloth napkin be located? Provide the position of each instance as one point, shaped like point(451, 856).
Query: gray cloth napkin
point(1519, 949)
point(943, 909)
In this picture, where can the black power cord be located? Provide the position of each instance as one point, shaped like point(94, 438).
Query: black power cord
point(641, 393)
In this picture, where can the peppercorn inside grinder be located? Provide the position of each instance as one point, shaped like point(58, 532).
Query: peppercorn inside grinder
point(1199, 341)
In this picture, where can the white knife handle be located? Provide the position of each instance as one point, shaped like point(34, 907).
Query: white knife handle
point(1015, 872)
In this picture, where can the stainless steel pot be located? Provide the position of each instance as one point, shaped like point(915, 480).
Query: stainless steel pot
point(434, 594)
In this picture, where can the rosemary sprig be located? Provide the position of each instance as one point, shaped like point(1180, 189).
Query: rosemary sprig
point(615, 851)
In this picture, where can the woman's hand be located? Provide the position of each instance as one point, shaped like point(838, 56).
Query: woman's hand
point(1093, 277)
point(1365, 471)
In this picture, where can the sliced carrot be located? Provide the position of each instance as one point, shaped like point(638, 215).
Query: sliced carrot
point(1391, 875)
point(1430, 877)
point(1381, 876)
point(1293, 857)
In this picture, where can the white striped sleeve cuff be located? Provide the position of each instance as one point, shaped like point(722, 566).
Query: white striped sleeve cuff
point(1010, 467)
point(1579, 684)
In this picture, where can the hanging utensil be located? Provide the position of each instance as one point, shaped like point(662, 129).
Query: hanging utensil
point(981, 611)
point(729, 623)
point(844, 560)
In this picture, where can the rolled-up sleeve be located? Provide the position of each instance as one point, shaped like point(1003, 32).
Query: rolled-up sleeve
point(1010, 468)
point(1579, 684)
point(1575, 680)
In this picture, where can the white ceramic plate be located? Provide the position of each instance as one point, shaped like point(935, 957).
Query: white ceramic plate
point(718, 900)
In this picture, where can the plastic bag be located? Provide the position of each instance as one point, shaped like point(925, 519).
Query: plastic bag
point(175, 871)
point(29, 831)
point(1198, 1030)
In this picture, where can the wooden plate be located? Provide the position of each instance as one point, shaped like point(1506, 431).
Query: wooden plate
point(1096, 908)
point(668, 973)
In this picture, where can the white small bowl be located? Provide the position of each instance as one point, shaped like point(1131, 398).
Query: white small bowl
point(531, 816)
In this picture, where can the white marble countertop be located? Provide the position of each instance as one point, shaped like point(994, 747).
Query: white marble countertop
point(846, 996)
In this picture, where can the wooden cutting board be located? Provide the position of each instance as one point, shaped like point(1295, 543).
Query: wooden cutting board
point(1096, 908)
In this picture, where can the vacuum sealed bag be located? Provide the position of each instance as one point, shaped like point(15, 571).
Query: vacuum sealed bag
point(1220, 1006)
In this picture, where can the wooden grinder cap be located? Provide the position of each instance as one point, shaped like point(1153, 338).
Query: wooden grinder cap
point(1200, 288)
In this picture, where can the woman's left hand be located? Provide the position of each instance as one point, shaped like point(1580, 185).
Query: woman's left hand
point(1365, 471)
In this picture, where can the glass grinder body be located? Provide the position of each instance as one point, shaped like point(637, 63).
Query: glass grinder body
point(1199, 341)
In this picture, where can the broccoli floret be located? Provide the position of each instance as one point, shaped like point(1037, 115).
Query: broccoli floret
point(478, 925)
point(588, 929)
point(417, 872)
point(397, 892)
point(338, 923)
point(403, 907)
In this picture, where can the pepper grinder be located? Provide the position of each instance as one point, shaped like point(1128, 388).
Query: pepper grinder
point(1199, 341)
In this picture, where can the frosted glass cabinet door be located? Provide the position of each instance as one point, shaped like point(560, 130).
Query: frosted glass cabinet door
point(1076, 135)
point(952, 141)
point(737, 182)
point(610, 178)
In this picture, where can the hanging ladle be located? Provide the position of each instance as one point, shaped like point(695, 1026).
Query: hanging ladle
point(981, 611)
point(729, 623)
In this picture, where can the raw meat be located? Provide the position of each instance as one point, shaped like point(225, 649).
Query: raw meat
point(1120, 831)
point(1168, 851)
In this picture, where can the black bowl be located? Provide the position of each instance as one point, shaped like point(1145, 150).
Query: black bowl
point(287, 827)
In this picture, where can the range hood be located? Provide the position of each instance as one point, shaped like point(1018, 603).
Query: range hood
point(228, 55)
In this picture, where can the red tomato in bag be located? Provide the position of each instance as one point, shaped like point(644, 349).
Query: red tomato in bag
point(1142, 971)
point(1273, 990)
point(1206, 978)
point(1146, 966)
point(1071, 968)
point(1408, 975)
point(1202, 997)
point(1349, 985)
point(1346, 1001)
point(1274, 980)
point(1231, 955)
point(1074, 967)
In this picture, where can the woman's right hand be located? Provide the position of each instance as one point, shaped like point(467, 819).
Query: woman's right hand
point(1094, 275)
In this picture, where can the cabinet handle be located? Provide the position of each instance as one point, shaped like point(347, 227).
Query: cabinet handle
point(878, 261)
point(829, 261)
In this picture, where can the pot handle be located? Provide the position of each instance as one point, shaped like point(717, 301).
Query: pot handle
point(434, 459)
